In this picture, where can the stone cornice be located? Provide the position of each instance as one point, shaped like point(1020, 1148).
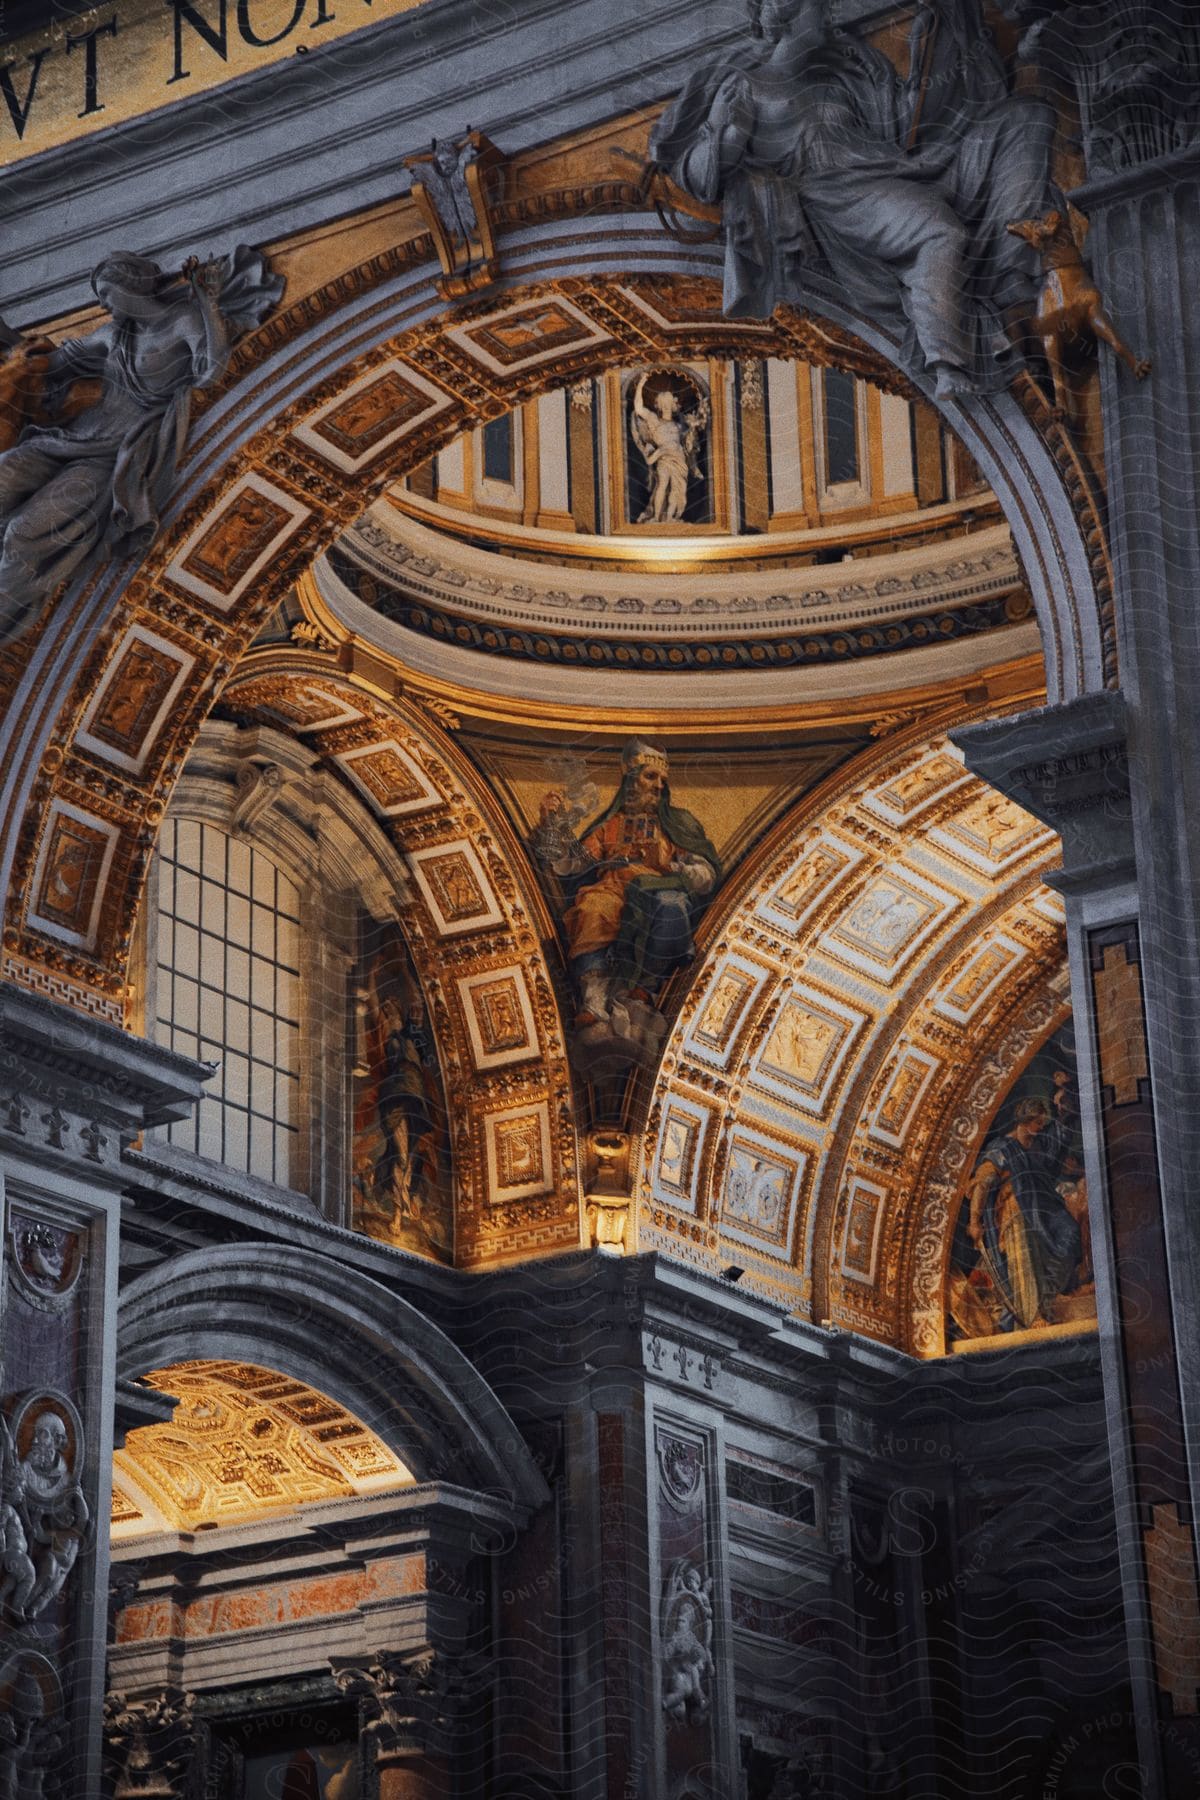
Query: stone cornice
point(86, 1065)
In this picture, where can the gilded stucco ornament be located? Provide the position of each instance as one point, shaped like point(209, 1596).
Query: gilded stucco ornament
point(85, 482)
point(824, 162)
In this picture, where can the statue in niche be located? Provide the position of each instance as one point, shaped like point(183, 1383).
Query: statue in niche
point(84, 482)
point(43, 1514)
point(636, 879)
point(687, 1635)
point(669, 438)
point(822, 159)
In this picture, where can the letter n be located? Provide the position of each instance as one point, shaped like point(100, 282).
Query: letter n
point(215, 36)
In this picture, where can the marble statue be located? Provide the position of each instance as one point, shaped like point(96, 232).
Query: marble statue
point(97, 481)
point(825, 162)
point(669, 442)
point(688, 1665)
point(43, 1516)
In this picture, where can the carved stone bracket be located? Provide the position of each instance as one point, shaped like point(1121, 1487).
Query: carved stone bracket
point(456, 185)
point(1067, 765)
point(259, 786)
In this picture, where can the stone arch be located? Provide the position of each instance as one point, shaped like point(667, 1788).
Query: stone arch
point(345, 1335)
point(758, 1148)
point(437, 818)
point(274, 471)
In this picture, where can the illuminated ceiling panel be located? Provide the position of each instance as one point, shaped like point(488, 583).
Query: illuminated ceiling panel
point(244, 1443)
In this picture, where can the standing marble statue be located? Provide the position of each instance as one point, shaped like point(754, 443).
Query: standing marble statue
point(99, 480)
point(825, 162)
point(670, 446)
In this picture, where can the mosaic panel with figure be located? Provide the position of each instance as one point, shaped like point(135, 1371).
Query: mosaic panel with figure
point(1021, 1258)
point(402, 1185)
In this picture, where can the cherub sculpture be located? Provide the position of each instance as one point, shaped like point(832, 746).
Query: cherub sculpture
point(687, 1633)
point(1070, 308)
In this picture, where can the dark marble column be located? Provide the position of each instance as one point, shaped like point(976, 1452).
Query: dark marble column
point(73, 1094)
point(1081, 767)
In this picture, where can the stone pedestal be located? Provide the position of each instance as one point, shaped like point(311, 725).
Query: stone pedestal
point(73, 1094)
point(1080, 767)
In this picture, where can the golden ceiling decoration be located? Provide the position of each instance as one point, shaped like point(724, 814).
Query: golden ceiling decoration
point(879, 972)
point(318, 416)
point(475, 924)
point(244, 1443)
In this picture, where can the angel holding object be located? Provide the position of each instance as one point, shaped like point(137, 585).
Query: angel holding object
point(670, 444)
point(83, 481)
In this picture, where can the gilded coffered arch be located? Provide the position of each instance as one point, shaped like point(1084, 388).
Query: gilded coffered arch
point(474, 923)
point(872, 981)
point(361, 381)
point(244, 1442)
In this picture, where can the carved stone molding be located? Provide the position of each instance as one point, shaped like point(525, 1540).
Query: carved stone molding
point(152, 1743)
point(412, 1700)
point(1068, 766)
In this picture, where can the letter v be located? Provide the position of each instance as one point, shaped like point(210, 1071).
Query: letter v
point(17, 113)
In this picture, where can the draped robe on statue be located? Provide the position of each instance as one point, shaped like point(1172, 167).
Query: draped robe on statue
point(824, 182)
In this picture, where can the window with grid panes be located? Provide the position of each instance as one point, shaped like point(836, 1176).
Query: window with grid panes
point(227, 991)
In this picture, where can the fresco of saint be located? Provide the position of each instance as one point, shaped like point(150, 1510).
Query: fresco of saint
point(1022, 1254)
point(401, 1153)
point(636, 879)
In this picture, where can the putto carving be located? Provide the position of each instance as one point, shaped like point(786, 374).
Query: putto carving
point(687, 1633)
point(32, 1726)
point(454, 186)
point(83, 482)
point(1070, 309)
point(151, 1742)
point(43, 1515)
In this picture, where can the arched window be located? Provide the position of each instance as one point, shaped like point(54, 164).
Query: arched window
point(227, 990)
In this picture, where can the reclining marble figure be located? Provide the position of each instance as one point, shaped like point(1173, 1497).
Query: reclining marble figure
point(97, 481)
point(826, 163)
